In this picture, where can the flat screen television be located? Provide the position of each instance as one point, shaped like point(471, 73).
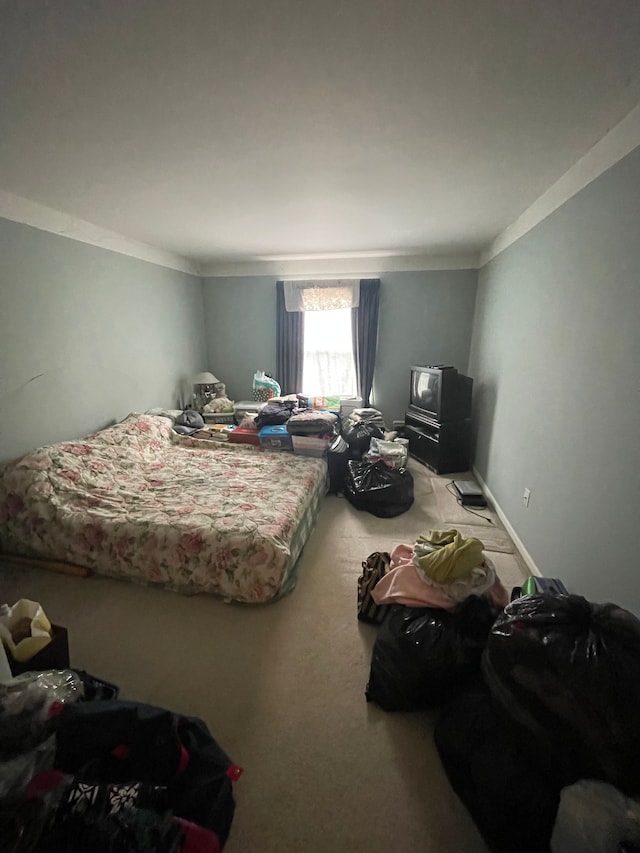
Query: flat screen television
point(440, 393)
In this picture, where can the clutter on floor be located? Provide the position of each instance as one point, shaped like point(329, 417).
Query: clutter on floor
point(81, 770)
point(538, 699)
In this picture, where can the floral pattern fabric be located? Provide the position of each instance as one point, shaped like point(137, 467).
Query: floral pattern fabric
point(138, 501)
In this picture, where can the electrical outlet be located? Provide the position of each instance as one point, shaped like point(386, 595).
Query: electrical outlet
point(525, 497)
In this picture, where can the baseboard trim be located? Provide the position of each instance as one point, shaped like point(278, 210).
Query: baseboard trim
point(526, 556)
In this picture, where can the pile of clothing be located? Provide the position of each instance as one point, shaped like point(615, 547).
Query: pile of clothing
point(438, 599)
point(441, 569)
point(78, 774)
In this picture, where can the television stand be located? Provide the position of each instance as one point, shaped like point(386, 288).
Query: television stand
point(443, 447)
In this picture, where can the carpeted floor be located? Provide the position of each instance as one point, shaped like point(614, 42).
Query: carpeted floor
point(281, 687)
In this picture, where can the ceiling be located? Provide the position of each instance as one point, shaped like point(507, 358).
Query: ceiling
point(230, 131)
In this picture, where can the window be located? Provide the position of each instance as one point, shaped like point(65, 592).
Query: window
point(328, 366)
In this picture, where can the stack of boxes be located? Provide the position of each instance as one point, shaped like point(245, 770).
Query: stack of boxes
point(278, 437)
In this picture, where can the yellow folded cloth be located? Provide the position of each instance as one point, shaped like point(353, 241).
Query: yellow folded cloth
point(453, 557)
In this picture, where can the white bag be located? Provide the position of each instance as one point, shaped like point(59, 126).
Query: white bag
point(393, 450)
point(30, 616)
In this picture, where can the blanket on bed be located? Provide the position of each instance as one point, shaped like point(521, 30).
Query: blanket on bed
point(138, 501)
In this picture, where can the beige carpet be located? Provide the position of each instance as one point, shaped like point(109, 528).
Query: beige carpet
point(281, 687)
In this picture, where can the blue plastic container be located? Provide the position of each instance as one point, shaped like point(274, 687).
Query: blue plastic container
point(275, 438)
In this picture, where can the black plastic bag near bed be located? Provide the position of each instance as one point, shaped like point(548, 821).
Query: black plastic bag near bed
point(377, 488)
point(359, 436)
point(337, 458)
point(512, 801)
point(567, 673)
point(424, 655)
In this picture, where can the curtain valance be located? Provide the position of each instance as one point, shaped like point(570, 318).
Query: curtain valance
point(318, 295)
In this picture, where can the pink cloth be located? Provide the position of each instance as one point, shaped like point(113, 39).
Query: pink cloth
point(403, 585)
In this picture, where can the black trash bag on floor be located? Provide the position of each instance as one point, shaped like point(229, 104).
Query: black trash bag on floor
point(377, 488)
point(337, 458)
point(116, 741)
point(424, 655)
point(359, 435)
point(513, 802)
point(567, 673)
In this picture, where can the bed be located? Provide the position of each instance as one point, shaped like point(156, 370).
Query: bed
point(138, 501)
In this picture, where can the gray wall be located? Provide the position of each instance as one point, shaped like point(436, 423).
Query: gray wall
point(86, 336)
point(240, 321)
point(556, 356)
point(425, 318)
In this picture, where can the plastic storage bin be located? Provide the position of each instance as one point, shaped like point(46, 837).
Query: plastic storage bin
point(275, 437)
point(241, 435)
point(310, 445)
point(240, 409)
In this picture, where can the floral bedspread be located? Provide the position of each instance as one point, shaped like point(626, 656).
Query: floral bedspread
point(138, 501)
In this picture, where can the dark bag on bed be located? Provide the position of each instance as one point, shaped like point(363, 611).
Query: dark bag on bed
point(188, 422)
point(374, 568)
point(275, 413)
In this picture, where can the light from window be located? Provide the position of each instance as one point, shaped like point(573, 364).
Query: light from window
point(328, 354)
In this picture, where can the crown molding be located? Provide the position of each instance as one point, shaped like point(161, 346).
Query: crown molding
point(613, 147)
point(18, 209)
point(356, 263)
point(618, 142)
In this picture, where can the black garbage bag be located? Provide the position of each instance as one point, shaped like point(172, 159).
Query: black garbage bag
point(424, 655)
point(337, 458)
point(566, 672)
point(512, 801)
point(377, 488)
point(359, 436)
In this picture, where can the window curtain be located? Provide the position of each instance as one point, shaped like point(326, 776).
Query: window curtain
point(364, 329)
point(289, 344)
